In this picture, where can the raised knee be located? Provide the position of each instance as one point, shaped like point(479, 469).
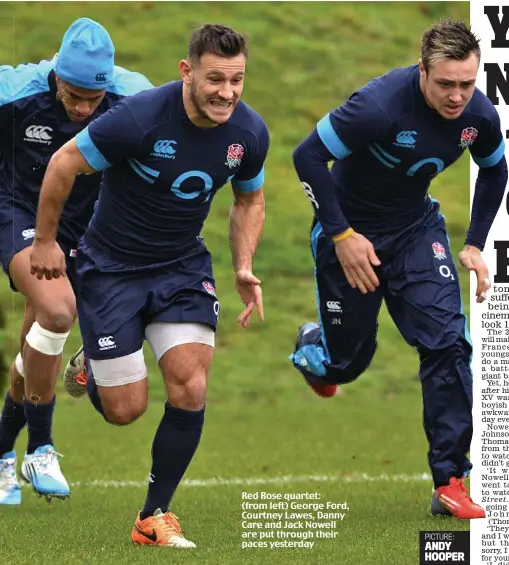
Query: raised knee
point(57, 314)
point(122, 415)
point(57, 318)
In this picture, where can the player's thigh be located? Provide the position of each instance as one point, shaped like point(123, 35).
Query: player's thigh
point(28, 320)
point(183, 318)
point(53, 300)
point(111, 321)
point(424, 297)
point(122, 385)
point(184, 352)
point(111, 318)
point(347, 317)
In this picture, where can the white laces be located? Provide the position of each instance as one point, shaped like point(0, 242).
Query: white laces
point(41, 461)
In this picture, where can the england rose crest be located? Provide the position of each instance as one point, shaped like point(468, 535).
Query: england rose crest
point(438, 250)
point(468, 136)
point(234, 155)
point(209, 287)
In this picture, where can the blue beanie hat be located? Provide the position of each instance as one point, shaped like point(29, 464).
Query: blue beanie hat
point(86, 57)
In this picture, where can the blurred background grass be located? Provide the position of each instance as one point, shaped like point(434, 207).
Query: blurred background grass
point(305, 59)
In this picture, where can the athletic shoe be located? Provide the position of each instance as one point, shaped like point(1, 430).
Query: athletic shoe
point(75, 375)
point(160, 529)
point(42, 470)
point(10, 491)
point(308, 360)
point(453, 500)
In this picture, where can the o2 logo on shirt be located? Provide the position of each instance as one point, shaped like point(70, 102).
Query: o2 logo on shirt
point(208, 184)
point(446, 272)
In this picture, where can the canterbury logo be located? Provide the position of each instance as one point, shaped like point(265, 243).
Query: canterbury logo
point(163, 148)
point(100, 77)
point(309, 193)
point(106, 342)
point(406, 139)
point(28, 234)
point(39, 134)
point(334, 306)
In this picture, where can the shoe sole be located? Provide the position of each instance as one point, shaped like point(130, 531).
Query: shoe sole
point(137, 541)
point(319, 393)
point(438, 510)
point(73, 388)
point(48, 496)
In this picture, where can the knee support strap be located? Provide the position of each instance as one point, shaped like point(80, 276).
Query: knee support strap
point(44, 341)
point(18, 363)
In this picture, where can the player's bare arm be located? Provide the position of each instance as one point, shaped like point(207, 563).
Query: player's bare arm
point(247, 219)
point(47, 259)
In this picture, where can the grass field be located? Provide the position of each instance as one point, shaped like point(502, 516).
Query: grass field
point(264, 429)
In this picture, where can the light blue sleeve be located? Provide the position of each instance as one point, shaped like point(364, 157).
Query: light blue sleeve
point(23, 80)
point(127, 83)
point(251, 175)
point(90, 152)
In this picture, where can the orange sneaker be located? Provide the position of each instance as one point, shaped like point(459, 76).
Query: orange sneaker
point(325, 391)
point(160, 529)
point(453, 500)
point(75, 375)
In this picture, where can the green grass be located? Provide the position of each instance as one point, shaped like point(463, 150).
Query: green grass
point(262, 421)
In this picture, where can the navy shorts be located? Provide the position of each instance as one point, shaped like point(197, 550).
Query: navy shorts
point(117, 301)
point(418, 280)
point(17, 231)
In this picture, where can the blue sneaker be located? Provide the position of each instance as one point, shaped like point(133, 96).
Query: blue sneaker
point(42, 470)
point(308, 358)
point(10, 491)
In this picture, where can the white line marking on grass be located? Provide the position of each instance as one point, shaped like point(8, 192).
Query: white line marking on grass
point(283, 479)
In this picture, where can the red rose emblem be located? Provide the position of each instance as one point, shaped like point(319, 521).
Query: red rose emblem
point(235, 152)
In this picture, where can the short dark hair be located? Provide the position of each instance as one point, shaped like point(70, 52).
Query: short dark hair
point(216, 39)
point(448, 39)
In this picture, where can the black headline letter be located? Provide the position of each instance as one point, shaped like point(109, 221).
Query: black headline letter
point(495, 79)
point(502, 276)
point(499, 27)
